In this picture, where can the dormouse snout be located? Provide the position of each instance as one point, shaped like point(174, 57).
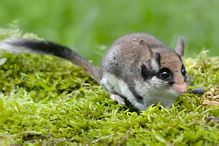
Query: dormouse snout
point(180, 87)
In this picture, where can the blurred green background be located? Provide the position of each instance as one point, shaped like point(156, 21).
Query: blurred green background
point(90, 26)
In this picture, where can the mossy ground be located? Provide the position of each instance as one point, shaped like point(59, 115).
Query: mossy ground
point(45, 99)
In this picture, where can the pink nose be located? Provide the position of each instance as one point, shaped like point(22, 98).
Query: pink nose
point(180, 87)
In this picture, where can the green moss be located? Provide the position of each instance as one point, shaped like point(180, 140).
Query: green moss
point(45, 99)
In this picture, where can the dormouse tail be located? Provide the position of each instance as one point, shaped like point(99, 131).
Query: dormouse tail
point(16, 45)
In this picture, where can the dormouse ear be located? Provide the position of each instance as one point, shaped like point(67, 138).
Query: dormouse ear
point(180, 46)
point(146, 55)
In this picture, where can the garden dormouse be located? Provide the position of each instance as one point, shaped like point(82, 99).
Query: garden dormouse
point(138, 67)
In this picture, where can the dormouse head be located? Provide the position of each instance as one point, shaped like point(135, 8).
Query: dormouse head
point(163, 68)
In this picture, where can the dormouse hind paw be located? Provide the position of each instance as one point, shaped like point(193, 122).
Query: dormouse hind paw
point(117, 98)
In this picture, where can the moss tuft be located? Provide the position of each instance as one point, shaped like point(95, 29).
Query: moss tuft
point(45, 99)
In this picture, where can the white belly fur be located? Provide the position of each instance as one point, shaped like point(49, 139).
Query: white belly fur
point(121, 88)
point(155, 92)
point(151, 95)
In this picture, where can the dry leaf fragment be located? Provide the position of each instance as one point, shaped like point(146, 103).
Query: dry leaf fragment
point(208, 102)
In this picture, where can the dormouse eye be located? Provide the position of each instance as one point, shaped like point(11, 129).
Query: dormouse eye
point(165, 74)
point(183, 70)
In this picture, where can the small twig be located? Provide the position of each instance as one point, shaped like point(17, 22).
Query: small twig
point(126, 135)
point(48, 132)
point(101, 138)
point(204, 64)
